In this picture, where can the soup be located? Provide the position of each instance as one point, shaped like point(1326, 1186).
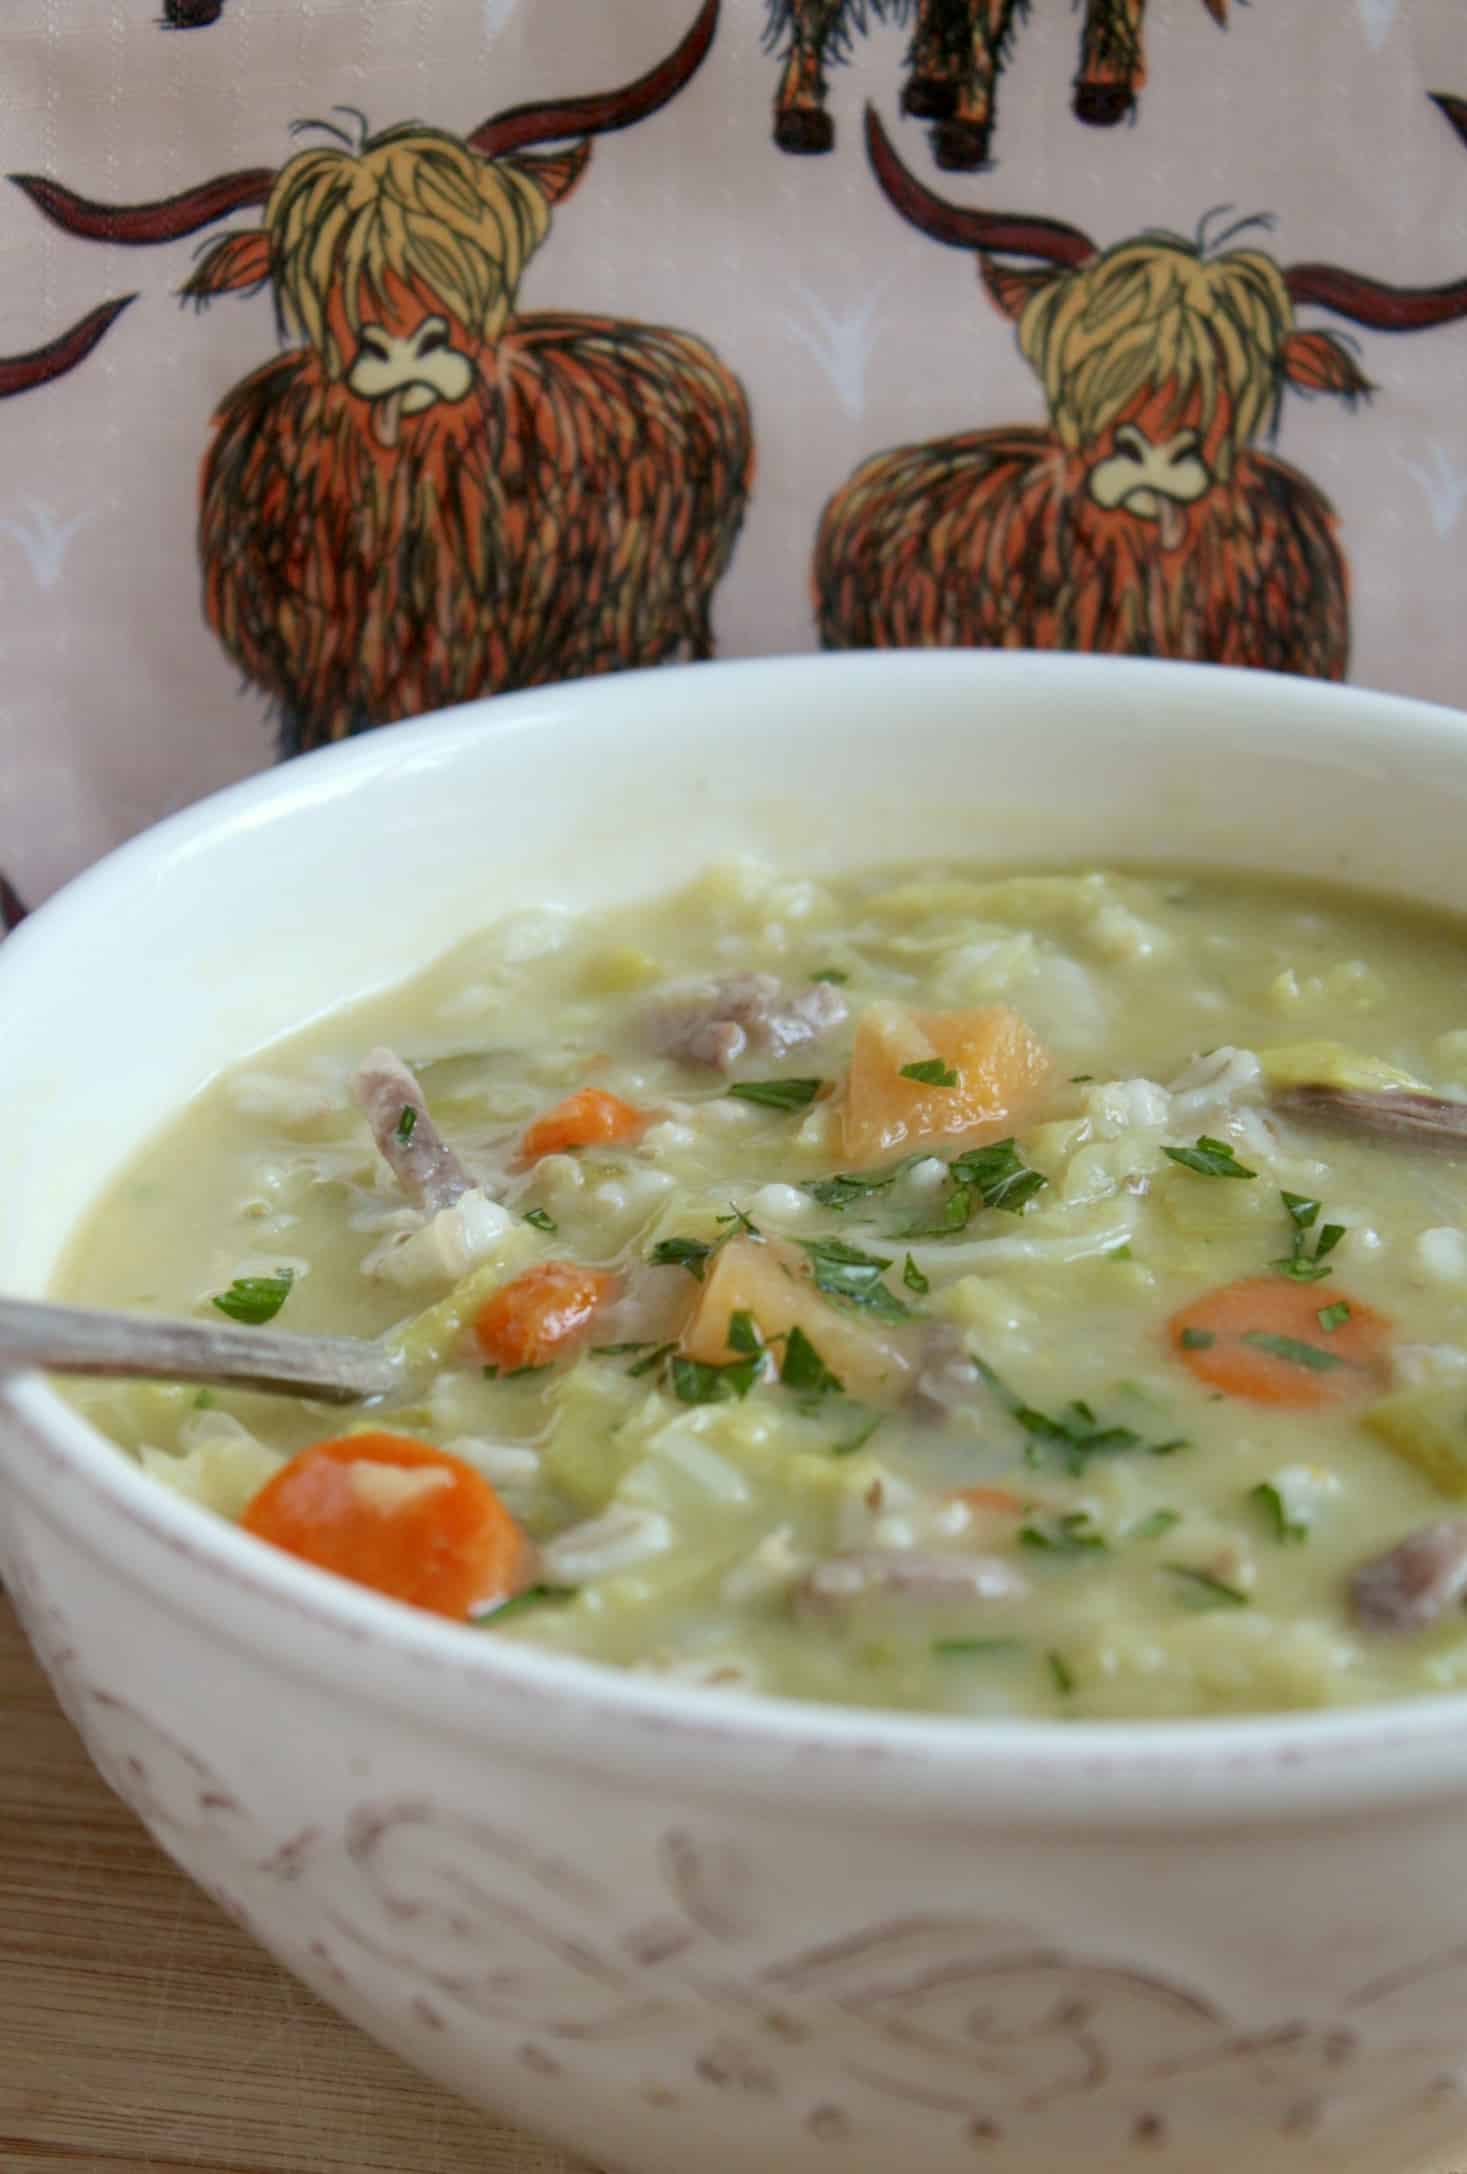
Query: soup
point(1022, 1295)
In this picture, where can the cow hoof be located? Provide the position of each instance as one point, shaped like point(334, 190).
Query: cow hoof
point(1103, 105)
point(191, 14)
point(960, 147)
point(804, 131)
point(929, 97)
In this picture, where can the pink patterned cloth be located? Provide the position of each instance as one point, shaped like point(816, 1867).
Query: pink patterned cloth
point(501, 398)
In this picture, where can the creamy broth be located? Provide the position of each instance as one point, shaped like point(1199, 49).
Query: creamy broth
point(1023, 1459)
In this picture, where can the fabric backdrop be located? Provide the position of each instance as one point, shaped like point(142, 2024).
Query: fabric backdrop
point(587, 501)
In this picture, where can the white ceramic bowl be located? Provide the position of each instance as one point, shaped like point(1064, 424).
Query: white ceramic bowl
point(667, 1927)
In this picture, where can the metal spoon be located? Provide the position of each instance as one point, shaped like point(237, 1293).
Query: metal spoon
point(129, 1346)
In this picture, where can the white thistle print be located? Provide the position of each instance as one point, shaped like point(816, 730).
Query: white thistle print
point(841, 339)
point(1378, 17)
point(1443, 478)
point(43, 538)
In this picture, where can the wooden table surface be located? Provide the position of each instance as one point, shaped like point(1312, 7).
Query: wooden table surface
point(142, 2033)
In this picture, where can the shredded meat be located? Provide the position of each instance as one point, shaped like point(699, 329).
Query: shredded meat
point(842, 1582)
point(1415, 1582)
point(748, 1015)
point(1416, 1120)
point(424, 1165)
point(946, 1377)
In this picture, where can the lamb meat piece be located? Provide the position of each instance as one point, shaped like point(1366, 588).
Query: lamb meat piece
point(413, 1148)
point(842, 1582)
point(1414, 1583)
point(946, 1377)
point(747, 1015)
point(1396, 1113)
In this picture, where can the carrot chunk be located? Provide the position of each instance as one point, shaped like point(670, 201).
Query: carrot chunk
point(399, 1516)
point(589, 1118)
point(773, 1284)
point(537, 1316)
point(1264, 1339)
point(945, 1079)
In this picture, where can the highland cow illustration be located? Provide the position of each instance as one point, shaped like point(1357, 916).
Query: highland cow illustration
point(436, 496)
point(957, 54)
point(43, 365)
point(1144, 520)
point(191, 14)
point(12, 912)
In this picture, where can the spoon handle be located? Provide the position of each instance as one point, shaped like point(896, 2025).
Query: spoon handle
point(127, 1346)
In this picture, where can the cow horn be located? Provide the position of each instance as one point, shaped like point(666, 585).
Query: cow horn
point(138, 225)
point(962, 226)
point(520, 126)
point(1371, 301)
point(12, 912)
point(20, 373)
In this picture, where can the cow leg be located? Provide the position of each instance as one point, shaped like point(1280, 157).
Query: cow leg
point(12, 912)
point(801, 123)
point(1112, 61)
point(960, 142)
point(934, 62)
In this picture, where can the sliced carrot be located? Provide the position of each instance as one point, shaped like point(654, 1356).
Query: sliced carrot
point(1263, 1339)
point(999, 1070)
point(773, 1283)
point(589, 1118)
point(397, 1515)
point(541, 1313)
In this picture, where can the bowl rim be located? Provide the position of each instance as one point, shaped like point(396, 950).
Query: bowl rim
point(1258, 1767)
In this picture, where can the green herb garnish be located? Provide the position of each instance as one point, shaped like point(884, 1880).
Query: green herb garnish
point(778, 1094)
point(839, 1192)
point(931, 1072)
point(689, 1253)
point(737, 1217)
point(518, 1373)
point(743, 1336)
point(1289, 1530)
point(1152, 1527)
point(1059, 1669)
point(403, 1129)
point(1210, 1159)
point(1333, 1317)
point(1074, 1534)
point(652, 1361)
point(1197, 1339)
point(1201, 1590)
point(803, 1368)
point(845, 1272)
point(1297, 1353)
point(695, 1382)
point(205, 1401)
point(914, 1279)
point(531, 1597)
point(490, 1373)
point(618, 1351)
point(539, 1220)
point(830, 973)
point(962, 1649)
point(852, 1442)
point(999, 1175)
point(253, 1299)
point(1303, 1266)
point(1075, 1433)
point(1081, 1079)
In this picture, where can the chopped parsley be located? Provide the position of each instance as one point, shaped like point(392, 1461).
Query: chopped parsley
point(1075, 1434)
point(778, 1094)
point(830, 973)
point(914, 1279)
point(689, 1253)
point(743, 1336)
point(1061, 1673)
point(1294, 1351)
point(739, 1220)
point(845, 1272)
point(850, 1443)
point(1301, 1264)
point(999, 1175)
point(1153, 1527)
point(406, 1124)
point(1201, 1590)
point(967, 1649)
point(1210, 1159)
point(618, 1351)
point(840, 1191)
point(253, 1299)
point(695, 1382)
point(1081, 1079)
point(205, 1401)
point(1286, 1529)
point(490, 1373)
point(1333, 1317)
point(1073, 1534)
point(931, 1072)
point(653, 1360)
point(803, 1368)
point(518, 1373)
point(1197, 1339)
point(539, 1220)
point(532, 1597)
